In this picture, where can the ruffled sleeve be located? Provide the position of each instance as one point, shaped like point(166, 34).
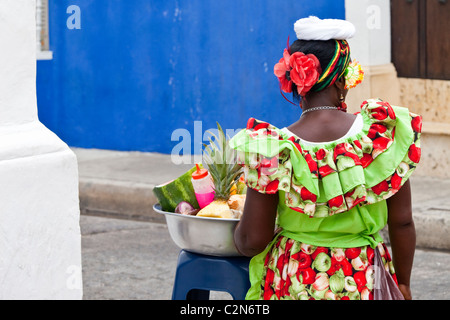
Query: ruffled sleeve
point(330, 178)
point(268, 159)
point(395, 153)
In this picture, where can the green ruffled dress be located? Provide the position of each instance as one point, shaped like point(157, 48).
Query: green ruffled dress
point(332, 201)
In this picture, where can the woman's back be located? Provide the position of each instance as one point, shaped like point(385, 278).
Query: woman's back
point(325, 126)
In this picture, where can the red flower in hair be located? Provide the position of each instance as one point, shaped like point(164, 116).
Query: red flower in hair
point(305, 71)
point(280, 70)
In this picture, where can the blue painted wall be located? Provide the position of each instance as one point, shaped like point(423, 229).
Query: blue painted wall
point(139, 69)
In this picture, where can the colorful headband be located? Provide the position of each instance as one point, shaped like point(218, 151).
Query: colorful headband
point(336, 67)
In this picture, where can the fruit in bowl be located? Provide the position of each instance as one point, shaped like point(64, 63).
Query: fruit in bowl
point(221, 162)
point(172, 193)
point(178, 195)
point(186, 208)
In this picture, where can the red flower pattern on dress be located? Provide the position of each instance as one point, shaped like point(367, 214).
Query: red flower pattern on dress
point(381, 143)
point(336, 201)
point(414, 153)
point(366, 160)
point(352, 253)
point(381, 187)
point(331, 161)
point(396, 181)
point(272, 187)
point(325, 170)
point(312, 164)
point(388, 108)
point(320, 273)
point(416, 123)
point(307, 195)
point(376, 128)
point(343, 265)
point(308, 275)
point(295, 142)
point(320, 154)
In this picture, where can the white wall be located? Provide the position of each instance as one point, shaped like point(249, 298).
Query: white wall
point(371, 44)
point(40, 242)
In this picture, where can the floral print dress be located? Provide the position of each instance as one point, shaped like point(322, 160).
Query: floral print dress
point(332, 203)
point(298, 271)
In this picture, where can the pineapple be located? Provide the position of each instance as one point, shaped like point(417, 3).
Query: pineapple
point(220, 159)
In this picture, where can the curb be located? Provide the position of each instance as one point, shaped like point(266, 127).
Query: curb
point(118, 199)
point(432, 229)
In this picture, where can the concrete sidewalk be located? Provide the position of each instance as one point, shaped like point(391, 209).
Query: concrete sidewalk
point(119, 185)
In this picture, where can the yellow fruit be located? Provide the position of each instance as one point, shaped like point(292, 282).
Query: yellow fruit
point(233, 189)
point(217, 209)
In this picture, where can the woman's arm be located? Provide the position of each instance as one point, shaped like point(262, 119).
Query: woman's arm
point(402, 236)
point(256, 228)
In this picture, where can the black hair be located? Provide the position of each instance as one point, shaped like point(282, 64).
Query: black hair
point(324, 50)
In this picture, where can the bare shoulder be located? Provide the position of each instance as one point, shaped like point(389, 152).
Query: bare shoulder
point(323, 126)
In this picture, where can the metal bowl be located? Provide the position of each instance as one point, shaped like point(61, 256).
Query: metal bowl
point(209, 236)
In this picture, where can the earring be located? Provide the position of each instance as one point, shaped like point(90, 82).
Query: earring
point(301, 101)
point(343, 105)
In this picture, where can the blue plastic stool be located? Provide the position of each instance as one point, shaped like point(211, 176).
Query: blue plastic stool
point(198, 274)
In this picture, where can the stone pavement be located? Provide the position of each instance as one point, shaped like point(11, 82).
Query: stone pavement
point(136, 260)
point(128, 253)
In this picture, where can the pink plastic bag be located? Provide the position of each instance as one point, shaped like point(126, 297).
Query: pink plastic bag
point(385, 287)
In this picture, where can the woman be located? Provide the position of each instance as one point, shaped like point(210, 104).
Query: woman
point(329, 182)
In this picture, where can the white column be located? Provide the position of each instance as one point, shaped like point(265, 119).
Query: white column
point(40, 241)
point(371, 46)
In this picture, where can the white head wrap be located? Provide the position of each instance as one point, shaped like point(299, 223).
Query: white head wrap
point(313, 28)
